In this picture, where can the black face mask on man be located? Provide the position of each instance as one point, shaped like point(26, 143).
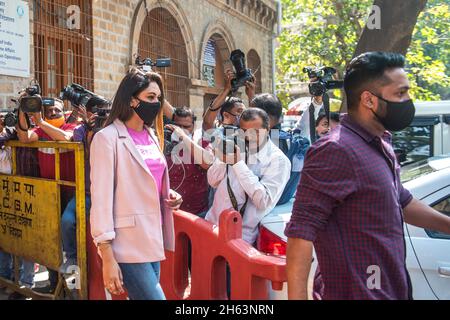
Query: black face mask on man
point(399, 115)
point(148, 111)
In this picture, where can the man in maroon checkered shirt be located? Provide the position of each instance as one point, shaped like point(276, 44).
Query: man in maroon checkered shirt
point(350, 203)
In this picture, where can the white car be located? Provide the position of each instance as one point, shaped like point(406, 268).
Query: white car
point(428, 252)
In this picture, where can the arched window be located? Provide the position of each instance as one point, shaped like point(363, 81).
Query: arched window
point(62, 54)
point(215, 60)
point(161, 37)
point(254, 63)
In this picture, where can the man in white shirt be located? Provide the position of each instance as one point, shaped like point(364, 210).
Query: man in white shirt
point(304, 124)
point(257, 175)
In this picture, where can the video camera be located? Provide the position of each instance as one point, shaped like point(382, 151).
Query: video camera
point(243, 74)
point(29, 102)
point(78, 95)
point(147, 64)
point(324, 82)
point(102, 115)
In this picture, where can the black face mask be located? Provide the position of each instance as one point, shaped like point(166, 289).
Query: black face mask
point(399, 115)
point(148, 111)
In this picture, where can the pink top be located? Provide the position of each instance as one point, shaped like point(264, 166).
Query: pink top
point(150, 153)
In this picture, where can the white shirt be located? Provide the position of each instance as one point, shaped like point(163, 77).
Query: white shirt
point(303, 123)
point(263, 179)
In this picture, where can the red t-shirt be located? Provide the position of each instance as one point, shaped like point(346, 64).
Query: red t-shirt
point(191, 182)
point(46, 157)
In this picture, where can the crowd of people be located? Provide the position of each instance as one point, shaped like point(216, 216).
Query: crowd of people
point(150, 159)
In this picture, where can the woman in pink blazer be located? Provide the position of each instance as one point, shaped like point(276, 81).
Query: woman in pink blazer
point(131, 215)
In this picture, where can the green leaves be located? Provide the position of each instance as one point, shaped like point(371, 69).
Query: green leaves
point(429, 54)
point(326, 32)
point(318, 33)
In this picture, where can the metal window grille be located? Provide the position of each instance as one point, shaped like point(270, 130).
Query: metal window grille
point(63, 54)
point(161, 37)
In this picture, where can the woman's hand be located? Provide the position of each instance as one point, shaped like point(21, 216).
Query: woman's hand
point(174, 201)
point(112, 276)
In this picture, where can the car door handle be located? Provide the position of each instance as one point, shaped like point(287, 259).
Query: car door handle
point(445, 271)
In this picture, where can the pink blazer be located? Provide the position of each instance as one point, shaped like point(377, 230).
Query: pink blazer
point(126, 207)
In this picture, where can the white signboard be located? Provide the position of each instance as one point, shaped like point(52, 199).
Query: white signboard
point(14, 38)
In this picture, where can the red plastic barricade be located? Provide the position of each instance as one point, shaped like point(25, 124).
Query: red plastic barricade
point(212, 248)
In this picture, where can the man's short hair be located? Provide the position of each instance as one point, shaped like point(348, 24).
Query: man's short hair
point(184, 112)
point(368, 70)
point(229, 104)
point(335, 116)
point(254, 113)
point(270, 104)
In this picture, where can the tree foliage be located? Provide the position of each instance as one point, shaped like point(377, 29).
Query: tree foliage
point(326, 33)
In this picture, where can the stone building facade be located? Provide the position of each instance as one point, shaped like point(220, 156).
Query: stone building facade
point(197, 34)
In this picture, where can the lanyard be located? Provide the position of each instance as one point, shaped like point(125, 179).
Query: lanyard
point(231, 193)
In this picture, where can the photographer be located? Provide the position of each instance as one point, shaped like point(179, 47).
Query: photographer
point(306, 124)
point(51, 127)
point(188, 166)
point(229, 108)
point(256, 177)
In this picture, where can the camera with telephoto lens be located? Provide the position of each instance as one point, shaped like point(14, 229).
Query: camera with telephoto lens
point(324, 80)
point(147, 64)
point(243, 74)
point(78, 95)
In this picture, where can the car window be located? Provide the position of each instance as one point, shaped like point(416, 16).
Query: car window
point(414, 144)
point(442, 206)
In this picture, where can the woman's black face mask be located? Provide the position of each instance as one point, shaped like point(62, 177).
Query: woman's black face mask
point(399, 115)
point(147, 111)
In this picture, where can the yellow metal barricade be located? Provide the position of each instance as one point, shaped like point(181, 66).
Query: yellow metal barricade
point(30, 219)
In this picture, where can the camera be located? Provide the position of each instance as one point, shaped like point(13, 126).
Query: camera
point(11, 118)
point(147, 63)
point(243, 74)
point(324, 80)
point(102, 115)
point(229, 140)
point(78, 95)
point(32, 101)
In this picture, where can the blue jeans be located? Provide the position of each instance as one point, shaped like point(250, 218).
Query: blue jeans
point(142, 280)
point(69, 227)
point(26, 269)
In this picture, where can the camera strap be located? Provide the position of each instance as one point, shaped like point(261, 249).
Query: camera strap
point(231, 193)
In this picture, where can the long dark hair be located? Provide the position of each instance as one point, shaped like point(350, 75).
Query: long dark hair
point(134, 82)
